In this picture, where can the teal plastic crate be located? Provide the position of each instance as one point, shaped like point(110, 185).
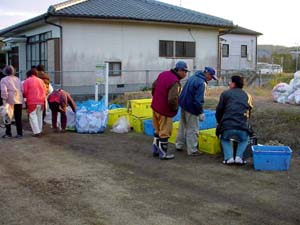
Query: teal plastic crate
point(267, 157)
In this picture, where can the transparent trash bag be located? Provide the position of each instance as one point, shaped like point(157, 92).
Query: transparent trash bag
point(121, 125)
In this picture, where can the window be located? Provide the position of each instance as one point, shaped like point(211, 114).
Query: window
point(37, 50)
point(225, 50)
point(185, 49)
point(244, 51)
point(182, 49)
point(166, 48)
point(115, 68)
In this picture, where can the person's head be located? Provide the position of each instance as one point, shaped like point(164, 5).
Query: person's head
point(32, 72)
point(210, 73)
point(40, 67)
point(181, 68)
point(236, 82)
point(9, 70)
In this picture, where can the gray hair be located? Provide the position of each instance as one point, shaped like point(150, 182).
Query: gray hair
point(9, 70)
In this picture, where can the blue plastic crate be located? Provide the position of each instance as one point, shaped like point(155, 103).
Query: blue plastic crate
point(271, 157)
point(209, 121)
point(148, 127)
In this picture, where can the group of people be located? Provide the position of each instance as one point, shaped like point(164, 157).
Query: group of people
point(33, 94)
point(232, 112)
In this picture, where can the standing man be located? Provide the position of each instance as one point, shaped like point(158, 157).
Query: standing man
point(232, 114)
point(191, 102)
point(165, 92)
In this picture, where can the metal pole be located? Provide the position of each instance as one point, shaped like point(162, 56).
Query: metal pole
point(297, 57)
point(106, 84)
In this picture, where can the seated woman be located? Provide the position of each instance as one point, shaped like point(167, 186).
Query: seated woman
point(232, 114)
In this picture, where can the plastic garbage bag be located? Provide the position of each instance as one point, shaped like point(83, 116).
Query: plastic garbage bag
point(297, 74)
point(70, 119)
point(91, 117)
point(281, 92)
point(121, 125)
point(297, 96)
point(6, 112)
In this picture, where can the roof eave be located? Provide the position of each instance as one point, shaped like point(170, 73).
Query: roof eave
point(22, 24)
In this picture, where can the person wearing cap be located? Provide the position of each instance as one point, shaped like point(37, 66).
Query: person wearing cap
point(232, 114)
point(165, 92)
point(11, 93)
point(191, 101)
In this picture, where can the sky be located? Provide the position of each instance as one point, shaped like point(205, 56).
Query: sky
point(277, 20)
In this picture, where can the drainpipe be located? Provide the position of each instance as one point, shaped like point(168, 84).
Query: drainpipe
point(194, 58)
point(60, 48)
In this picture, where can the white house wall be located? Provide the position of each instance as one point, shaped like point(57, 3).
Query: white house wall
point(136, 45)
point(235, 61)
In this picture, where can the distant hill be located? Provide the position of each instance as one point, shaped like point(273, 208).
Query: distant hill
point(268, 50)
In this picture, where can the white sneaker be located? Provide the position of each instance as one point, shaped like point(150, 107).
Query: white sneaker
point(239, 160)
point(229, 161)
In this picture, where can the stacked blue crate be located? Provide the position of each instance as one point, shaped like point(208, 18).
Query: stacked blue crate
point(209, 121)
point(148, 127)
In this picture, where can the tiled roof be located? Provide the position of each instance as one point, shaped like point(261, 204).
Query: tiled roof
point(141, 10)
point(242, 30)
point(145, 10)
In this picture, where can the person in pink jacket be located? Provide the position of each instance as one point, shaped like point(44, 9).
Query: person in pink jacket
point(34, 90)
point(11, 94)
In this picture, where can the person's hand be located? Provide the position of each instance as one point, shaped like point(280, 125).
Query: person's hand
point(202, 117)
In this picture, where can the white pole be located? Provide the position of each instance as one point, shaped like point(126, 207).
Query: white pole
point(297, 58)
point(106, 84)
point(96, 92)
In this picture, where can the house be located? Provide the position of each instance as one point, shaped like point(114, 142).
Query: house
point(239, 50)
point(138, 38)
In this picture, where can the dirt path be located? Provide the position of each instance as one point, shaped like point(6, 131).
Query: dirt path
point(112, 179)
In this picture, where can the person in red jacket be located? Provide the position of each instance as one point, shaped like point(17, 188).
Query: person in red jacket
point(34, 90)
point(165, 92)
point(58, 101)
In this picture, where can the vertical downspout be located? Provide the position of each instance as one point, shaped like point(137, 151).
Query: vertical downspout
point(219, 55)
point(194, 59)
point(256, 55)
point(60, 48)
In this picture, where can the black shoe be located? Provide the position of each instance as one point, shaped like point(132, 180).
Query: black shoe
point(195, 154)
point(6, 136)
point(19, 136)
point(37, 135)
point(179, 149)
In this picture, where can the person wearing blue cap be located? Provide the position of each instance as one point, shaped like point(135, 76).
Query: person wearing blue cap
point(232, 114)
point(191, 101)
point(165, 92)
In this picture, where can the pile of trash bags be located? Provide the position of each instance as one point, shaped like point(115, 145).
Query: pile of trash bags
point(91, 117)
point(288, 93)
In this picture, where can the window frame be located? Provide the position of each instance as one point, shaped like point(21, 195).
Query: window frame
point(111, 71)
point(244, 53)
point(177, 49)
point(225, 54)
point(166, 48)
point(34, 53)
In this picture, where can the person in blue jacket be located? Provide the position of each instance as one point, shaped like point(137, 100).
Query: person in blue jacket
point(191, 101)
